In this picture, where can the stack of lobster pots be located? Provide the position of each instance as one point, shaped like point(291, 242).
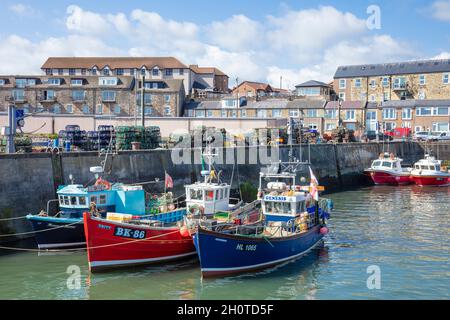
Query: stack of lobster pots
point(148, 137)
point(74, 137)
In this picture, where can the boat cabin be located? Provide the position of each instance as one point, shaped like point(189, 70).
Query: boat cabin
point(387, 162)
point(429, 163)
point(207, 198)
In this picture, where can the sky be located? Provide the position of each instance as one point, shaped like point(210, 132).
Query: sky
point(247, 39)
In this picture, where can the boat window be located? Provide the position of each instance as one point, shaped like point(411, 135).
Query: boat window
point(387, 164)
point(432, 168)
point(82, 201)
point(66, 200)
point(424, 167)
point(61, 200)
point(301, 206)
point(376, 163)
point(94, 199)
point(209, 195)
point(102, 199)
point(278, 207)
point(221, 194)
point(218, 195)
point(417, 166)
point(438, 167)
point(73, 201)
point(196, 194)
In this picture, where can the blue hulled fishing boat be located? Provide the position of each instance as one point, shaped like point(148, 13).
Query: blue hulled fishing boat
point(294, 223)
point(63, 228)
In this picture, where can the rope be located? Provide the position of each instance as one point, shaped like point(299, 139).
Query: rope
point(97, 247)
point(15, 218)
point(45, 230)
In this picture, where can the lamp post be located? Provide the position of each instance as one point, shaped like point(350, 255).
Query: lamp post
point(339, 124)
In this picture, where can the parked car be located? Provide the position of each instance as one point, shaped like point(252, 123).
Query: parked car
point(372, 135)
point(421, 135)
point(438, 136)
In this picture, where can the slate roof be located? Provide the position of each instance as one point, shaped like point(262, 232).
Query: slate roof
point(346, 105)
point(312, 83)
point(415, 103)
point(398, 68)
point(265, 104)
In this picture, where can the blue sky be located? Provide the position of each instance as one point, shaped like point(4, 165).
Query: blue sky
point(249, 39)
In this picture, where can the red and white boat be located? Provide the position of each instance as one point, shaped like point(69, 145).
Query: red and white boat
point(119, 240)
point(428, 172)
point(387, 169)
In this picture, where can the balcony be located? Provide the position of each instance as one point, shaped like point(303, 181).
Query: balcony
point(47, 99)
point(12, 99)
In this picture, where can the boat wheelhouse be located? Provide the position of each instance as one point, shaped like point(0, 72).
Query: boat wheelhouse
point(429, 172)
point(387, 169)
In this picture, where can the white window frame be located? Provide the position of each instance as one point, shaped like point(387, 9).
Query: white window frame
point(76, 82)
point(389, 114)
point(352, 114)
point(342, 83)
point(422, 79)
point(342, 96)
point(409, 111)
point(69, 108)
point(446, 78)
point(117, 109)
point(358, 83)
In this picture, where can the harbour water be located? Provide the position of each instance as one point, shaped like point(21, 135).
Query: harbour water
point(401, 231)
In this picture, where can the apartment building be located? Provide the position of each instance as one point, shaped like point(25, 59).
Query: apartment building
point(376, 83)
point(314, 89)
point(92, 95)
point(208, 79)
point(352, 115)
point(153, 68)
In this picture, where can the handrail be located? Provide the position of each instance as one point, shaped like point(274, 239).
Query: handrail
point(48, 205)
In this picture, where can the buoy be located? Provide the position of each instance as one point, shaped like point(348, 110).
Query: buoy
point(323, 230)
point(184, 232)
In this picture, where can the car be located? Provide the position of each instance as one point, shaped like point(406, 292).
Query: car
point(372, 135)
point(438, 136)
point(421, 135)
point(444, 136)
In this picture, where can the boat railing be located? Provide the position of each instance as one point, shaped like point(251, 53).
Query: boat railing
point(48, 207)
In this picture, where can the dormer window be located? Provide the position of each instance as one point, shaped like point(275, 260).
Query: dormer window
point(54, 81)
point(155, 72)
point(2, 82)
point(77, 82)
point(94, 71)
point(110, 81)
point(143, 71)
point(106, 71)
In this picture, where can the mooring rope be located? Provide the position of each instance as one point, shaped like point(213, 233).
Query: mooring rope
point(14, 218)
point(97, 247)
point(45, 230)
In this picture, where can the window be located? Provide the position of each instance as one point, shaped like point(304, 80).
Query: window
point(424, 111)
point(406, 124)
point(66, 200)
point(406, 113)
point(69, 108)
point(181, 72)
point(385, 82)
point(276, 113)
point(308, 91)
point(224, 113)
point(152, 85)
point(148, 111)
point(169, 72)
point(106, 72)
point(389, 113)
point(49, 72)
point(261, 113)
point(371, 115)
point(350, 115)
point(209, 195)
point(445, 78)
point(229, 103)
point(107, 81)
point(54, 81)
point(78, 95)
point(167, 98)
point(294, 113)
point(155, 72)
point(148, 97)
point(94, 199)
point(102, 199)
point(389, 126)
point(71, 72)
point(77, 82)
point(311, 113)
point(196, 194)
point(2, 82)
point(120, 72)
point(330, 126)
point(342, 96)
point(83, 72)
point(117, 109)
point(440, 111)
point(386, 96)
point(373, 98)
point(21, 83)
point(143, 71)
point(400, 83)
point(109, 96)
point(85, 109)
point(60, 72)
point(330, 114)
point(167, 111)
point(94, 71)
point(342, 83)
point(373, 83)
point(18, 95)
point(440, 126)
point(233, 113)
point(244, 113)
point(99, 109)
point(422, 80)
point(56, 108)
point(357, 83)
point(82, 201)
point(209, 113)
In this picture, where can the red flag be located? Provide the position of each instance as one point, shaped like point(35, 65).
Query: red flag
point(314, 184)
point(169, 181)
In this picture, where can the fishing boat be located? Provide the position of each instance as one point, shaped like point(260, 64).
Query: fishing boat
point(63, 227)
point(294, 223)
point(121, 240)
point(429, 172)
point(387, 170)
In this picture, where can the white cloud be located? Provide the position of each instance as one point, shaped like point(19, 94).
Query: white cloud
point(87, 22)
point(22, 10)
point(441, 10)
point(442, 55)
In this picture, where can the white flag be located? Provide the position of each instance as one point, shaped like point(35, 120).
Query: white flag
point(314, 184)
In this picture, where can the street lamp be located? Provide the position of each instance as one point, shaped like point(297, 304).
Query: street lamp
point(339, 112)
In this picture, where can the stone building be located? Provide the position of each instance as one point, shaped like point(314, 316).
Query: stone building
point(91, 95)
point(314, 90)
point(420, 80)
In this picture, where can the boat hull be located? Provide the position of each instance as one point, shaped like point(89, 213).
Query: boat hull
point(430, 180)
point(57, 233)
point(387, 178)
point(113, 244)
point(225, 254)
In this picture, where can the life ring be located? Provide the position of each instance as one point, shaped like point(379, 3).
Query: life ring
point(104, 183)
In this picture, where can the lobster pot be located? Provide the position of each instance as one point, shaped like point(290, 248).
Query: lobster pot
point(124, 136)
point(73, 136)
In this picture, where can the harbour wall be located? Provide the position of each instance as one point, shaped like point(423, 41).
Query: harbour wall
point(28, 181)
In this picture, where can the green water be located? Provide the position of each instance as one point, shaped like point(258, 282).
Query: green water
point(403, 230)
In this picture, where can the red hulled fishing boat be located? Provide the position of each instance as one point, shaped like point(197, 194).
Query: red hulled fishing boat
point(387, 169)
point(429, 172)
